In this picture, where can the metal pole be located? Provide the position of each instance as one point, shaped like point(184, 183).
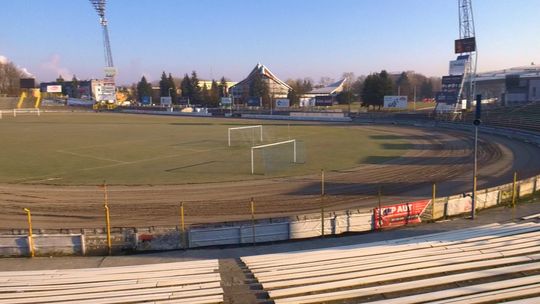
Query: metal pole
point(322, 203)
point(182, 226)
point(414, 100)
point(379, 194)
point(30, 236)
point(514, 191)
point(475, 168)
point(433, 197)
point(253, 219)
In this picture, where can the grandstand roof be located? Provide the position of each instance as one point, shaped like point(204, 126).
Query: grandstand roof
point(263, 70)
point(330, 89)
point(523, 72)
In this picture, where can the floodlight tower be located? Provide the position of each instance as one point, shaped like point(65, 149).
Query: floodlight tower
point(467, 31)
point(109, 88)
point(99, 6)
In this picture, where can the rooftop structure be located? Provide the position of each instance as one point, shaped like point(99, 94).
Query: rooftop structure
point(277, 88)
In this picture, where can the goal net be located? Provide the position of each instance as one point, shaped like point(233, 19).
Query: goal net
point(248, 135)
point(276, 157)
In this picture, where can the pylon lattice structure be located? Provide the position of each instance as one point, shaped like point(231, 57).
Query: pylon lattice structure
point(467, 30)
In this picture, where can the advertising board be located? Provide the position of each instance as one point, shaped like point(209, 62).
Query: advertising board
point(165, 100)
point(466, 45)
point(446, 97)
point(395, 102)
point(27, 83)
point(225, 101)
point(146, 100)
point(400, 214)
point(323, 101)
point(54, 89)
point(254, 102)
point(282, 103)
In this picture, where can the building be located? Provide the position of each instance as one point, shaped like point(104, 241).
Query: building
point(510, 86)
point(208, 83)
point(277, 88)
point(324, 96)
point(86, 89)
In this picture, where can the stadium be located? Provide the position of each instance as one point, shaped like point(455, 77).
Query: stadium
point(257, 200)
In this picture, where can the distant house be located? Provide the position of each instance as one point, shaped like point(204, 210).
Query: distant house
point(277, 88)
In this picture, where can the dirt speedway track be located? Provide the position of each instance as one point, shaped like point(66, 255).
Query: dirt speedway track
point(440, 156)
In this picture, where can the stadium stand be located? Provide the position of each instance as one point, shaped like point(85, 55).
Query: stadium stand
point(490, 263)
point(194, 282)
point(525, 117)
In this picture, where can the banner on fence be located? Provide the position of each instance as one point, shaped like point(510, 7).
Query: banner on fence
point(459, 205)
point(400, 214)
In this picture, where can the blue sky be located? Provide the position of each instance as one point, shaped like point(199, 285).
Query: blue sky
point(294, 38)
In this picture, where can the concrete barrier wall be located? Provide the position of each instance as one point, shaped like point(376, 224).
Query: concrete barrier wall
point(298, 118)
point(44, 245)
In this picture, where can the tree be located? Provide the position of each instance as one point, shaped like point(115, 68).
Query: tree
point(144, 89)
point(9, 78)
point(185, 86)
point(164, 85)
point(172, 87)
point(293, 97)
point(375, 87)
point(403, 86)
point(214, 94)
point(205, 96)
point(75, 87)
point(426, 89)
point(196, 89)
point(259, 88)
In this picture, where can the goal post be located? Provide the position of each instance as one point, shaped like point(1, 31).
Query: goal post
point(259, 127)
point(24, 111)
point(292, 141)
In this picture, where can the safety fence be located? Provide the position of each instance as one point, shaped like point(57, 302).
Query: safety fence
point(18, 242)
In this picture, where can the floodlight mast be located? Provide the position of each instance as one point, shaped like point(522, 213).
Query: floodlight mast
point(99, 6)
point(467, 30)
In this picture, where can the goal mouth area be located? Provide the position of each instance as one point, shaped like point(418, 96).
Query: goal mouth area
point(274, 156)
point(247, 135)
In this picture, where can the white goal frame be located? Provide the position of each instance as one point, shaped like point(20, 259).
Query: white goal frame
point(21, 111)
point(293, 141)
point(247, 127)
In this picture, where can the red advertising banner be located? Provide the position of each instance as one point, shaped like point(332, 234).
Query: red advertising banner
point(399, 214)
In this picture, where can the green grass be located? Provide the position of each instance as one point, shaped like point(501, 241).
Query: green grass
point(87, 148)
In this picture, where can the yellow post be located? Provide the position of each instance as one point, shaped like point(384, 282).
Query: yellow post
point(108, 223)
point(107, 217)
point(514, 190)
point(253, 219)
point(182, 225)
point(21, 100)
point(433, 197)
point(30, 237)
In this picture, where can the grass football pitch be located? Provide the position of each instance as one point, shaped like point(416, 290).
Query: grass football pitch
point(89, 148)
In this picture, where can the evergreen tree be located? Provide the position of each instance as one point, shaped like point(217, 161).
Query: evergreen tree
point(293, 97)
point(164, 85)
point(205, 96)
point(403, 86)
point(375, 87)
point(426, 89)
point(185, 86)
point(172, 86)
point(143, 89)
point(196, 89)
point(214, 94)
point(75, 87)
